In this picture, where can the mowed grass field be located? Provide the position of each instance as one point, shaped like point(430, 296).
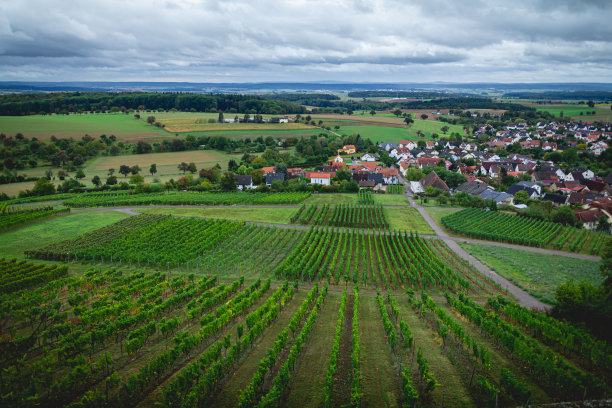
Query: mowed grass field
point(538, 274)
point(407, 219)
point(268, 215)
point(125, 127)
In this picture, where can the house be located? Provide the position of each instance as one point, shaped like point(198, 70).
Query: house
point(416, 187)
point(428, 161)
point(279, 119)
point(320, 178)
point(433, 180)
point(347, 149)
point(475, 187)
point(267, 170)
point(390, 176)
point(531, 192)
point(378, 178)
point(270, 177)
point(337, 159)
point(408, 143)
point(556, 199)
point(244, 182)
point(498, 197)
point(589, 218)
point(295, 172)
point(367, 184)
point(543, 176)
point(368, 158)
point(596, 185)
point(388, 146)
point(530, 184)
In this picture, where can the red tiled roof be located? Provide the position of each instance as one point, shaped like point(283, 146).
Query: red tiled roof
point(319, 175)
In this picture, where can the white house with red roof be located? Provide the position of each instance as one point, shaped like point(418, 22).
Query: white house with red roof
point(319, 178)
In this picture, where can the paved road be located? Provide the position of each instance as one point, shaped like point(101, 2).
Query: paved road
point(523, 297)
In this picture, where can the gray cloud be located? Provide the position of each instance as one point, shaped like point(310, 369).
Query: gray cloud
point(375, 40)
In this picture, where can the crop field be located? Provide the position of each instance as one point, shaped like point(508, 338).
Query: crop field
point(125, 198)
point(347, 215)
point(254, 134)
point(221, 335)
point(498, 226)
point(125, 127)
point(184, 125)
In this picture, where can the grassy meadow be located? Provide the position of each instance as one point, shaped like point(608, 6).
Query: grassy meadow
point(603, 112)
point(537, 273)
point(395, 134)
point(407, 219)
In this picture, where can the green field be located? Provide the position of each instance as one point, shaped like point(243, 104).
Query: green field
point(407, 219)
point(538, 274)
point(54, 229)
point(125, 127)
point(381, 134)
point(271, 215)
point(391, 199)
point(573, 111)
point(331, 199)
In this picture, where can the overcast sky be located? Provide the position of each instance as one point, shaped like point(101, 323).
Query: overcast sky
point(306, 40)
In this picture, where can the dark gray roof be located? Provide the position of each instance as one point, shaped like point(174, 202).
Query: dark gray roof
point(270, 177)
point(473, 187)
point(243, 180)
point(555, 198)
point(495, 195)
point(515, 188)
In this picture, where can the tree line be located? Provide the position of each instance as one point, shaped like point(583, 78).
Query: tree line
point(74, 102)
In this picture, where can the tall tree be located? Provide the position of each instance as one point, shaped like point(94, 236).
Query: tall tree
point(124, 169)
point(153, 169)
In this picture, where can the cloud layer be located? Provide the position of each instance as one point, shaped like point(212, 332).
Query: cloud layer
point(299, 40)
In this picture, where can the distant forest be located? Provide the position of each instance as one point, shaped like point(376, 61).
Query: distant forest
point(397, 94)
point(443, 103)
point(556, 95)
point(309, 99)
point(72, 102)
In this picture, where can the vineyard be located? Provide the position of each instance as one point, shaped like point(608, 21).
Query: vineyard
point(12, 215)
point(395, 189)
point(342, 215)
point(498, 226)
point(377, 258)
point(129, 337)
point(110, 199)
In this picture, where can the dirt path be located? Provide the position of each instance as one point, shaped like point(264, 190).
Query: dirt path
point(523, 297)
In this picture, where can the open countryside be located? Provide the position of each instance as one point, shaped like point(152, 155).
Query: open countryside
point(234, 206)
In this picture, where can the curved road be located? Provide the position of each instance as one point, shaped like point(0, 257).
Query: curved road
point(523, 297)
